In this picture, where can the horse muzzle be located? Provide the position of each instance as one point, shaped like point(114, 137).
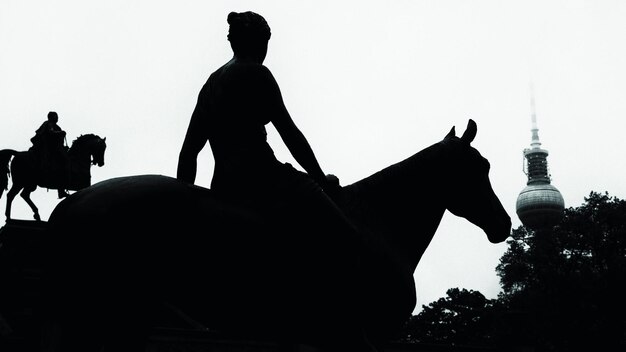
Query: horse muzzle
point(498, 231)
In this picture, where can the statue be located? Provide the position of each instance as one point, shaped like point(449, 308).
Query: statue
point(126, 246)
point(233, 107)
point(27, 172)
point(51, 154)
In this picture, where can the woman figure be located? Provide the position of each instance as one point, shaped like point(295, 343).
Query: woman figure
point(233, 107)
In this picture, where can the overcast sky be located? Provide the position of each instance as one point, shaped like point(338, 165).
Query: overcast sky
point(368, 82)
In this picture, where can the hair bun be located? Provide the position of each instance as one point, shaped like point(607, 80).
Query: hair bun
point(233, 17)
point(246, 26)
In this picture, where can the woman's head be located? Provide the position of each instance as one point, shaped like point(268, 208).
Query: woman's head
point(248, 34)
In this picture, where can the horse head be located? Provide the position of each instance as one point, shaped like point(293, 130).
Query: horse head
point(470, 194)
point(90, 145)
point(97, 154)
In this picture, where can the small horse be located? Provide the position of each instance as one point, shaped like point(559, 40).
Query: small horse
point(122, 247)
point(85, 150)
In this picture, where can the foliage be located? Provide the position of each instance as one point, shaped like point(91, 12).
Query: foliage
point(462, 318)
point(569, 279)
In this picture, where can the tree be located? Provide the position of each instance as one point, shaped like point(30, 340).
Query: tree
point(568, 281)
point(464, 317)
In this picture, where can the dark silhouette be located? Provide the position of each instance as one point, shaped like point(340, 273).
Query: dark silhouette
point(568, 281)
point(50, 153)
point(122, 247)
point(463, 318)
point(233, 107)
point(27, 173)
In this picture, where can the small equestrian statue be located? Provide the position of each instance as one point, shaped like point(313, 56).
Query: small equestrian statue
point(32, 168)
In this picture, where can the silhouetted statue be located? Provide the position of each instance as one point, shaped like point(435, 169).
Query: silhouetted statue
point(233, 107)
point(122, 247)
point(51, 154)
point(28, 174)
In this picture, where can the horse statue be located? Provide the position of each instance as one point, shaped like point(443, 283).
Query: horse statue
point(27, 172)
point(126, 247)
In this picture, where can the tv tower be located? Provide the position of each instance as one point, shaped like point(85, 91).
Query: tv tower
point(539, 205)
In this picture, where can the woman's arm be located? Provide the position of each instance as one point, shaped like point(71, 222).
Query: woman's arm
point(299, 147)
point(195, 139)
point(291, 135)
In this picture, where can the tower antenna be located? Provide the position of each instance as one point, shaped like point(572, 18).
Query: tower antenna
point(533, 116)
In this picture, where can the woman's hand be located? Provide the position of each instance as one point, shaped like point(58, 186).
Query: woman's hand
point(331, 186)
point(332, 180)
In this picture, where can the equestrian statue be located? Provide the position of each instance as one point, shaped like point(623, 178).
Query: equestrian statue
point(49, 164)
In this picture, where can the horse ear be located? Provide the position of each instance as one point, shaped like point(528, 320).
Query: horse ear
point(104, 139)
point(470, 132)
point(450, 134)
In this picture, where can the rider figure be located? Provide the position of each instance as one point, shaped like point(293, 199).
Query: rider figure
point(48, 144)
point(233, 107)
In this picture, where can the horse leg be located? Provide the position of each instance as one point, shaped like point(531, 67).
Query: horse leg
point(26, 196)
point(10, 196)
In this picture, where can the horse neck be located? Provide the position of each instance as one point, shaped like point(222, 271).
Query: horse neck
point(400, 207)
point(79, 153)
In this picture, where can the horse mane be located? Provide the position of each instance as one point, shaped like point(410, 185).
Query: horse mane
point(81, 140)
point(408, 177)
point(405, 178)
point(84, 137)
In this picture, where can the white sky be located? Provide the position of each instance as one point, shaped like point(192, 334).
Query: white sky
point(368, 82)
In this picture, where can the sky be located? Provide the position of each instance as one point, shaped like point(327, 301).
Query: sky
point(369, 83)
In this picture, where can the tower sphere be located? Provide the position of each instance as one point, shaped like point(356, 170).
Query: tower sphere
point(540, 206)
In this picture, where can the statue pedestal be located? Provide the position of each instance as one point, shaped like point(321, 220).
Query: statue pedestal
point(21, 255)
